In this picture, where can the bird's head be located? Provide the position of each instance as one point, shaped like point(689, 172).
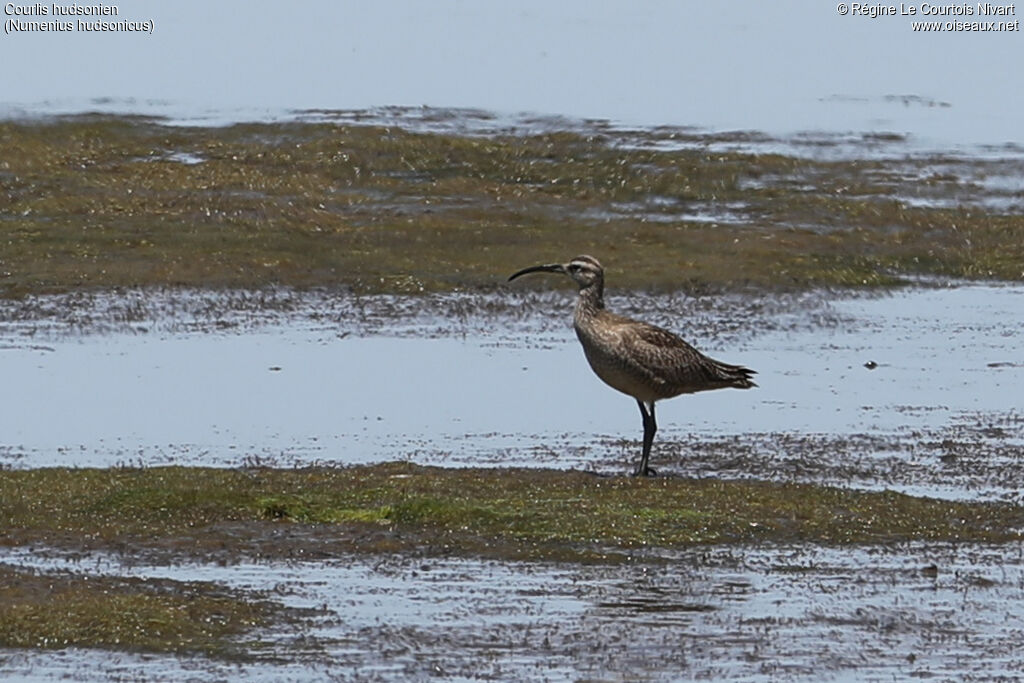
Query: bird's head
point(586, 271)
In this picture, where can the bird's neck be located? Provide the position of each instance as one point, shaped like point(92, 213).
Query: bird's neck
point(591, 298)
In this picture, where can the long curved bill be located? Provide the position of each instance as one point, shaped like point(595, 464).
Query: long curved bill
point(547, 268)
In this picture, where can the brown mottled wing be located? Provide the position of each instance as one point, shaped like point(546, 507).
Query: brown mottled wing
point(677, 366)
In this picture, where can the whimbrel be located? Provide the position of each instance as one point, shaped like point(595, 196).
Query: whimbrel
point(638, 359)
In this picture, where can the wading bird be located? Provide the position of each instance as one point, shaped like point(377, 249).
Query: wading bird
point(640, 360)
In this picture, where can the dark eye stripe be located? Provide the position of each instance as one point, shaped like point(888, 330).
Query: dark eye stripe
point(587, 262)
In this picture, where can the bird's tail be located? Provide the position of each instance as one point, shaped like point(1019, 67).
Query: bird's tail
point(735, 376)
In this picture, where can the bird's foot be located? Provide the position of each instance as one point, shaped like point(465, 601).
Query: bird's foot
point(644, 472)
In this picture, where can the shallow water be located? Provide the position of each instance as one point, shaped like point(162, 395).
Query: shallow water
point(292, 378)
point(745, 613)
point(517, 391)
point(782, 68)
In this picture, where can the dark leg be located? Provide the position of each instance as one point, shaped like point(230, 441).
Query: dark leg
point(650, 426)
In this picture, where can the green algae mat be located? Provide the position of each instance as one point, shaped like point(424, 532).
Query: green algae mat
point(104, 201)
point(181, 514)
point(529, 513)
